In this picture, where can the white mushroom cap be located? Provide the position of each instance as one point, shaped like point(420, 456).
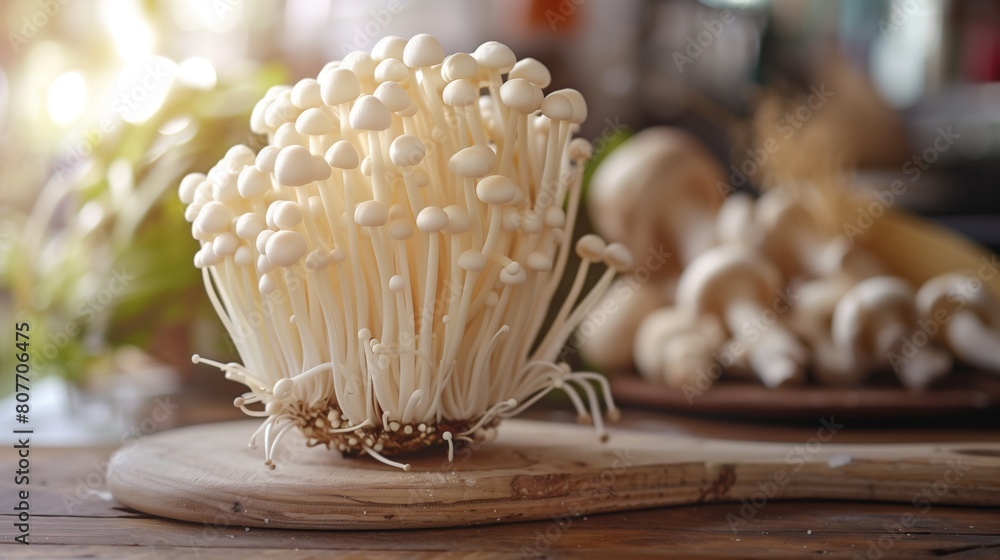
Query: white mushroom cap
point(473, 162)
point(459, 93)
point(496, 56)
point(459, 220)
point(371, 213)
point(306, 94)
point(432, 219)
point(285, 248)
point(724, 273)
point(607, 344)
point(674, 347)
point(496, 189)
point(188, 186)
point(253, 182)
point(521, 94)
point(531, 70)
point(391, 70)
point(339, 86)
point(389, 47)
point(361, 63)
point(423, 51)
point(407, 150)
point(314, 122)
point(460, 66)
point(369, 113)
point(658, 190)
point(967, 319)
point(343, 155)
point(393, 96)
point(296, 166)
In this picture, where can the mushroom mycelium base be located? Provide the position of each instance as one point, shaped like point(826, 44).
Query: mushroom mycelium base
point(532, 470)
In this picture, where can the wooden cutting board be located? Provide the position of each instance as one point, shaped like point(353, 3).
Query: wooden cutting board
point(534, 470)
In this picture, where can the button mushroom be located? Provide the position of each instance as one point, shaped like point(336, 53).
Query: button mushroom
point(673, 346)
point(956, 310)
point(658, 190)
point(875, 322)
point(740, 287)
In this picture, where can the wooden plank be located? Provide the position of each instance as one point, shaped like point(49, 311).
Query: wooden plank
point(533, 471)
point(781, 529)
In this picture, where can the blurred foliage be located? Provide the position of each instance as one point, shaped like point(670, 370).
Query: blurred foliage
point(104, 257)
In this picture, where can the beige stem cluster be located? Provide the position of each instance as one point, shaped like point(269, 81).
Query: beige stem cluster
point(386, 263)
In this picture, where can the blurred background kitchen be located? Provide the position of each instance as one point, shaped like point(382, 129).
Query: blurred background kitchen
point(106, 104)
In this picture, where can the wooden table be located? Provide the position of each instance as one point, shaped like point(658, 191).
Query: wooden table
point(74, 517)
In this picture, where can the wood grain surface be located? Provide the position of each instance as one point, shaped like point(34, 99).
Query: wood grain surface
point(535, 470)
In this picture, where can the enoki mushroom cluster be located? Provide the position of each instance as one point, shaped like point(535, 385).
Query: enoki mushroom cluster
point(385, 265)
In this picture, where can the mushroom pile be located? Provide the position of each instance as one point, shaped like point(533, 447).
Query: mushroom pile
point(767, 288)
point(385, 264)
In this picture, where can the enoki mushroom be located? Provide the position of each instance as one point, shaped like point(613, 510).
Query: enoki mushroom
point(386, 263)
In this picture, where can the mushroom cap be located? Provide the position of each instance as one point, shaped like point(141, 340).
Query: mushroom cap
point(866, 307)
point(432, 220)
point(314, 122)
point(721, 274)
point(521, 94)
point(531, 70)
point(393, 96)
point(578, 103)
point(369, 113)
point(422, 51)
point(342, 155)
point(389, 47)
point(371, 213)
point(266, 158)
point(459, 220)
point(189, 184)
point(339, 86)
point(496, 189)
point(493, 55)
point(950, 292)
point(650, 190)
point(734, 222)
point(285, 248)
point(391, 70)
point(674, 346)
point(407, 150)
point(608, 345)
point(459, 93)
point(590, 247)
point(473, 162)
point(557, 107)
point(295, 166)
point(459, 66)
point(361, 63)
point(306, 94)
